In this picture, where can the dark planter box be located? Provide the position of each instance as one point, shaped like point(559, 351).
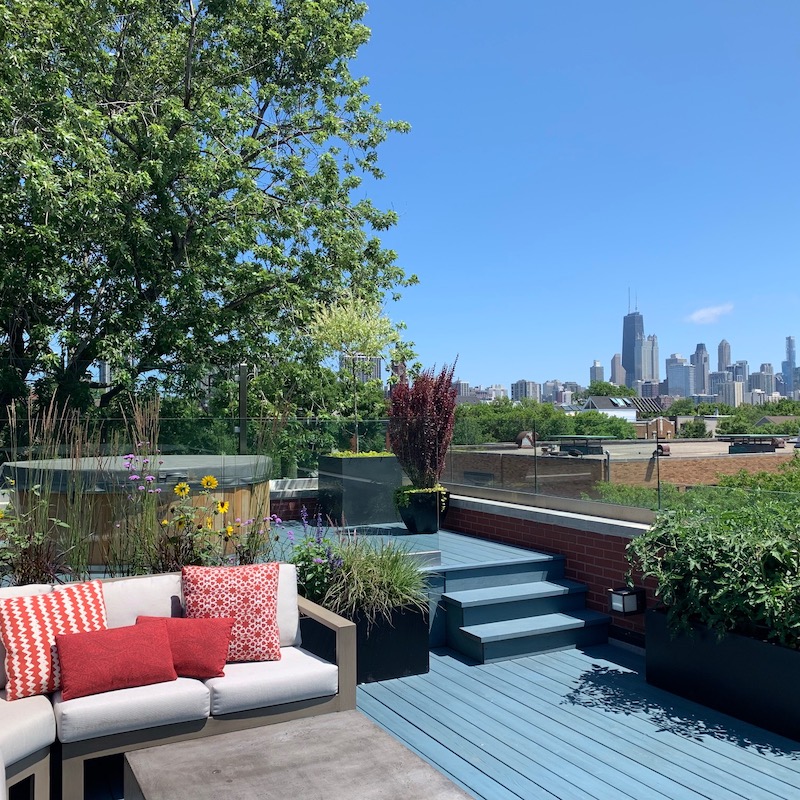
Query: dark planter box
point(393, 649)
point(424, 512)
point(752, 680)
point(359, 491)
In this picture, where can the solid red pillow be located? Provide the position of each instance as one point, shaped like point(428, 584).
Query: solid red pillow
point(199, 646)
point(119, 658)
point(249, 594)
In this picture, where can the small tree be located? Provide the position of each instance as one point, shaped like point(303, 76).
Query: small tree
point(421, 419)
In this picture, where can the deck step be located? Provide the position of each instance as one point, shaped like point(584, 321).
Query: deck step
point(496, 603)
point(513, 638)
point(539, 567)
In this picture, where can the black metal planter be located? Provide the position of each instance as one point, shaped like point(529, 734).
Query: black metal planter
point(393, 648)
point(425, 511)
point(749, 679)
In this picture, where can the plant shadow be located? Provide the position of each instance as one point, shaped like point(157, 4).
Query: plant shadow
point(621, 689)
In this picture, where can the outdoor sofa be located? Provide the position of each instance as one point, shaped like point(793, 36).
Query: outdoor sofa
point(250, 694)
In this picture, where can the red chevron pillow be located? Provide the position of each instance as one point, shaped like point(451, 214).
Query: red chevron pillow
point(248, 594)
point(29, 626)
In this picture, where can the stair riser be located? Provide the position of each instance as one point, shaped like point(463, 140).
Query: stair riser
point(518, 609)
point(544, 643)
point(503, 575)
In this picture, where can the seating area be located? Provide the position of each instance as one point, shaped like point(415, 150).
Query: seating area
point(111, 702)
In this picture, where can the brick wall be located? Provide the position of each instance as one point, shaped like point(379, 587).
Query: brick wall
point(592, 558)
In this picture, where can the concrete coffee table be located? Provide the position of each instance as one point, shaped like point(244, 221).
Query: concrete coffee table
point(331, 757)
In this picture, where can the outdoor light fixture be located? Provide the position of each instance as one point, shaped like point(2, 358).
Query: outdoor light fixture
point(627, 601)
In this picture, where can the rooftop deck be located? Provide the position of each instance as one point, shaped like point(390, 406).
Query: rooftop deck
point(576, 724)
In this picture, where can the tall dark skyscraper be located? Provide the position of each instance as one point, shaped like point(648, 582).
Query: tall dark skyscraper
point(789, 365)
point(700, 361)
point(632, 329)
point(723, 356)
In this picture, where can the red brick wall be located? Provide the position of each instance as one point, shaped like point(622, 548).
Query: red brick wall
point(598, 560)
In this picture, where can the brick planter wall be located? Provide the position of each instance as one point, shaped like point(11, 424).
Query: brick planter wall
point(593, 558)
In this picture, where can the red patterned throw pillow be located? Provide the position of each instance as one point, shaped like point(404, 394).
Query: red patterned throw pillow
point(199, 646)
point(29, 626)
point(118, 658)
point(248, 594)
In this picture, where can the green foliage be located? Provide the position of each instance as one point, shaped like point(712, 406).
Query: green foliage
point(786, 479)
point(363, 454)
point(605, 389)
point(693, 430)
point(182, 189)
point(733, 566)
point(353, 575)
point(402, 495)
point(595, 423)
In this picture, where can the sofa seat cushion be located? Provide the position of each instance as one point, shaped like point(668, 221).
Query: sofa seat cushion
point(181, 700)
point(26, 725)
point(298, 675)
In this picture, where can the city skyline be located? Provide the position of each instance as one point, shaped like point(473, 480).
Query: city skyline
point(558, 160)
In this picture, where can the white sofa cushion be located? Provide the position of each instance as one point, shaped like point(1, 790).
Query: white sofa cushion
point(142, 595)
point(26, 725)
point(183, 700)
point(299, 675)
point(288, 615)
point(18, 591)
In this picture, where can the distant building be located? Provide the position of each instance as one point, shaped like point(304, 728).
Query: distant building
point(645, 359)
point(526, 389)
point(617, 371)
point(632, 329)
point(763, 380)
point(549, 390)
point(596, 373)
point(650, 389)
point(699, 359)
point(367, 368)
point(716, 379)
point(104, 373)
point(463, 389)
point(497, 392)
point(732, 393)
point(723, 356)
point(680, 378)
point(788, 367)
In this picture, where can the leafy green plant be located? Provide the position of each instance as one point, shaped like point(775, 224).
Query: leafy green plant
point(735, 566)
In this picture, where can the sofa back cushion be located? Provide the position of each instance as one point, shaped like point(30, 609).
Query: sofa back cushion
point(142, 596)
point(288, 615)
point(18, 591)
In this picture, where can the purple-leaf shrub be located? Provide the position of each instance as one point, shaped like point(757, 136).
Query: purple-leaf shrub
point(421, 418)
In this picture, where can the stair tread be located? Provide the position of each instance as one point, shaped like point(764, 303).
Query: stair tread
point(513, 592)
point(533, 626)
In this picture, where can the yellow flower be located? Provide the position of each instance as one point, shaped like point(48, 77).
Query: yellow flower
point(209, 482)
point(229, 531)
point(209, 522)
point(223, 506)
point(181, 489)
point(165, 522)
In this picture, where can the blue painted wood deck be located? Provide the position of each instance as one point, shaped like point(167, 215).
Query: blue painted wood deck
point(576, 725)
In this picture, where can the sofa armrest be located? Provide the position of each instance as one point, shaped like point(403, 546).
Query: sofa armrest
point(345, 632)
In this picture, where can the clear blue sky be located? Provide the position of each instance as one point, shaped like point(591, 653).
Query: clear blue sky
point(562, 153)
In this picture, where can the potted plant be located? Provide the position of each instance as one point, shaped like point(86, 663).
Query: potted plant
point(421, 419)
point(728, 630)
point(378, 586)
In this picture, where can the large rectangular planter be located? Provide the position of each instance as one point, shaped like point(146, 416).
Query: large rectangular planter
point(752, 680)
point(394, 648)
point(359, 490)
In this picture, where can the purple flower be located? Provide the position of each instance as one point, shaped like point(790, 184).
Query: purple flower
point(149, 478)
point(158, 491)
point(290, 536)
point(141, 488)
point(277, 520)
point(133, 478)
point(318, 560)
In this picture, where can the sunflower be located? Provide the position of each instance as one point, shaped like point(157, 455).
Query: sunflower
point(223, 506)
point(229, 531)
point(209, 482)
point(182, 489)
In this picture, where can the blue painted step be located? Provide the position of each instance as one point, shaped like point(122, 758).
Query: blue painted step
point(496, 603)
point(539, 567)
point(495, 641)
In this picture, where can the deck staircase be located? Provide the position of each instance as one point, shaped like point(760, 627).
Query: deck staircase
point(513, 609)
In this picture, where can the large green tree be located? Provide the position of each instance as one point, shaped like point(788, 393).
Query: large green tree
point(178, 186)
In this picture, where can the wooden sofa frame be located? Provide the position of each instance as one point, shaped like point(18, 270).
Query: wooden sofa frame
point(74, 755)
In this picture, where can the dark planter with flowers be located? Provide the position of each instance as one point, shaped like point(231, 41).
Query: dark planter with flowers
point(390, 648)
point(423, 511)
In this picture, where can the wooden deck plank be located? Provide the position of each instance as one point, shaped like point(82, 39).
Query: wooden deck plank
point(498, 701)
point(539, 763)
point(659, 753)
point(590, 732)
point(732, 743)
point(547, 745)
point(457, 764)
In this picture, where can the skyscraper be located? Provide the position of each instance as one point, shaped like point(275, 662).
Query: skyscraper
point(645, 358)
point(700, 361)
point(596, 372)
point(523, 388)
point(788, 366)
point(723, 356)
point(632, 329)
point(617, 371)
